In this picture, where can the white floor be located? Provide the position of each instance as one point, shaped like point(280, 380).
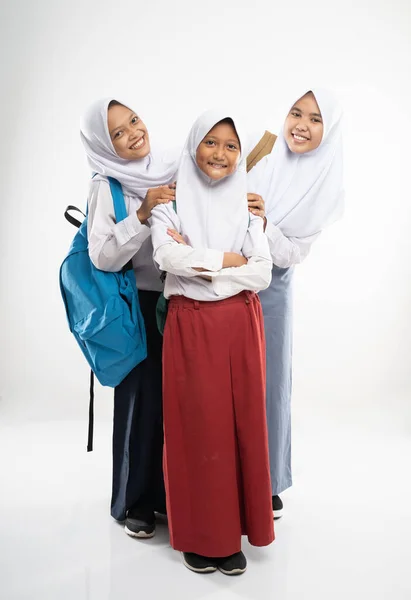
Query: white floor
point(345, 534)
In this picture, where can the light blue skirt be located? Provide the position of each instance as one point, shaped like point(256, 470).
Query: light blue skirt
point(277, 310)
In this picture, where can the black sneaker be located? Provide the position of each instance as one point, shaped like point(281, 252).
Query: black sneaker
point(277, 507)
point(198, 563)
point(140, 523)
point(232, 565)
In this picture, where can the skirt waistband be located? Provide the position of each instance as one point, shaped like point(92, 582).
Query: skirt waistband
point(245, 297)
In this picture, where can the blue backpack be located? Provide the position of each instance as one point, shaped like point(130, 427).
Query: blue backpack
point(102, 308)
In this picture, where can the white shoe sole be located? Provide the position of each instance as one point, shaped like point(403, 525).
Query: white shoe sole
point(233, 572)
point(277, 514)
point(205, 570)
point(140, 534)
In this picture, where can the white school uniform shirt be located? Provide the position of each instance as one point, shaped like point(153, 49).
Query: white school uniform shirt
point(111, 244)
point(303, 193)
point(213, 217)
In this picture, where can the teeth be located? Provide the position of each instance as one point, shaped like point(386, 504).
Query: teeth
point(298, 137)
point(215, 166)
point(138, 144)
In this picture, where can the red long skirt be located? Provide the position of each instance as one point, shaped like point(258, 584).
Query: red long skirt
point(216, 463)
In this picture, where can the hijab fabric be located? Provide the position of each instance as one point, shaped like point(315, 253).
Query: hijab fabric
point(304, 193)
point(213, 214)
point(136, 176)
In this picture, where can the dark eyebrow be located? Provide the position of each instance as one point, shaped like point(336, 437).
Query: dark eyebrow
point(315, 115)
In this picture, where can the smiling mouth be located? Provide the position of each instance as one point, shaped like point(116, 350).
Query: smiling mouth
point(299, 138)
point(217, 166)
point(138, 144)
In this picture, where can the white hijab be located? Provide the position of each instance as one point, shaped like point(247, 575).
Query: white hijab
point(304, 192)
point(136, 176)
point(213, 214)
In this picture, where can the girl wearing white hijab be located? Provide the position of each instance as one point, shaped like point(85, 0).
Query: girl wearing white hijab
point(216, 257)
point(117, 144)
point(302, 185)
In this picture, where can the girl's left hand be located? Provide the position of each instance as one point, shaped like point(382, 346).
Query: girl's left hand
point(256, 205)
point(176, 236)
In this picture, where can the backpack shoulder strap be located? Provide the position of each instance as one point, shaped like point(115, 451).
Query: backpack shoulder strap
point(264, 147)
point(118, 199)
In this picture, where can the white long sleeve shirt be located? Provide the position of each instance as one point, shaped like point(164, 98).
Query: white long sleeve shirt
point(179, 261)
point(286, 252)
point(112, 245)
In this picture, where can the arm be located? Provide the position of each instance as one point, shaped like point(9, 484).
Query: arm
point(256, 274)
point(179, 259)
point(111, 244)
point(287, 251)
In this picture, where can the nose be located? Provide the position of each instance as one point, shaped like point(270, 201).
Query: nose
point(302, 126)
point(219, 153)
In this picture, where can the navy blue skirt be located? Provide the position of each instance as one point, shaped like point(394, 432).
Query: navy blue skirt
point(138, 427)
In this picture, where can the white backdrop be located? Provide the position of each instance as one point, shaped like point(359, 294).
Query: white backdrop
point(175, 59)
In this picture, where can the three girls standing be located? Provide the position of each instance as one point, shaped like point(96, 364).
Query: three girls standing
point(216, 256)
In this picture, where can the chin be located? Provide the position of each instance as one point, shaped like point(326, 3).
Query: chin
point(140, 155)
point(218, 176)
point(295, 149)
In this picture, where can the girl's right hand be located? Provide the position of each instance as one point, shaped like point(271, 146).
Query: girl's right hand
point(177, 237)
point(232, 259)
point(158, 195)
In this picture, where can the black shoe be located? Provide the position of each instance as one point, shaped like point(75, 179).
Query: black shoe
point(232, 565)
point(277, 507)
point(140, 523)
point(198, 563)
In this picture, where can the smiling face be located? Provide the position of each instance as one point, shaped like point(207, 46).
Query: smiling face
point(127, 132)
point(218, 152)
point(303, 129)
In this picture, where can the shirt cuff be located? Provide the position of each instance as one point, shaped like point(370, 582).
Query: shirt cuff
point(213, 260)
point(133, 227)
point(272, 231)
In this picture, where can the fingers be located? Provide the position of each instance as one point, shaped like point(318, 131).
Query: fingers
point(177, 237)
point(163, 192)
point(253, 197)
point(167, 193)
point(256, 205)
point(168, 190)
point(163, 201)
point(165, 188)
